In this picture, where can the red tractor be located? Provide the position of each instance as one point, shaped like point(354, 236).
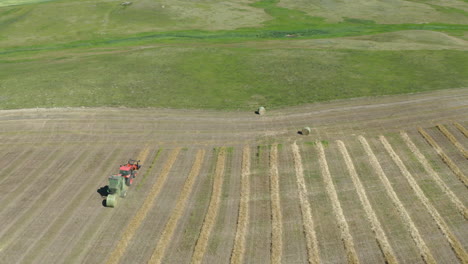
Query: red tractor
point(118, 183)
point(129, 171)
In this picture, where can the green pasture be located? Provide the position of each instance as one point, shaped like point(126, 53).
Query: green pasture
point(212, 54)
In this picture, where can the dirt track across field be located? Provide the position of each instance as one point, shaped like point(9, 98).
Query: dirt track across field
point(55, 164)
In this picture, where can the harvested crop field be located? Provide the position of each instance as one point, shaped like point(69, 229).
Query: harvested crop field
point(377, 180)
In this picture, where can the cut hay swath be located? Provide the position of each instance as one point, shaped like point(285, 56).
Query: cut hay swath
point(238, 250)
point(307, 221)
point(276, 228)
point(453, 241)
point(461, 128)
point(135, 223)
point(337, 210)
point(452, 139)
point(409, 224)
point(213, 208)
point(179, 208)
point(444, 157)
point(453, 198)
point(380, 236)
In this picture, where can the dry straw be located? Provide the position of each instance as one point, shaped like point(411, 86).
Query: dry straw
point(243, 218)
point(444, 157)
point(277, 228)
point(453, 198)
point(409, 224)
point(454, 243)
point(211, 215)
point(461, 128)
point(135, 223)
point(179, 208)
point(453, 140)
point(311, 238)
point(380, 236)
point(337, 210)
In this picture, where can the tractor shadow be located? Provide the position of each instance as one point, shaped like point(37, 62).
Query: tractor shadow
point(103, 191)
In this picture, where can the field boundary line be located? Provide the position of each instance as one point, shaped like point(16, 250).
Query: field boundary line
point(461, 128)
point(238, 250)
point(454, 243)
point(452, 139)
point(408, 222)
point(212, 213)
point(134, 224)
point(422, 159)
point(376, 227)
point(276, 217)
point(444, 157)
point(307, 221)
point(346, 237)
point(168, 232)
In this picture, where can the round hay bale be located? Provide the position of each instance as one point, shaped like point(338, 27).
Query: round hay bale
point(305, 131)
point(261, 110)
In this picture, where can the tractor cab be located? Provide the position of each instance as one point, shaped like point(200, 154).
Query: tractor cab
point(125, 171)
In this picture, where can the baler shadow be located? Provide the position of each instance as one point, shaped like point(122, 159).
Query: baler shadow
point(103, 191)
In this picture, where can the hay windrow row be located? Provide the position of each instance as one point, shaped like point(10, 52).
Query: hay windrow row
point(276, 217)
point(444, 157)
point(337, 210)
point(454, 243)
point(135, 223)
point(238, 250)
point(380, 236)
point(308, 223)
point(453, 198)
point(179, 208)
point(452, 139)
point(143, 155)
point(211, 215)
point(409, 224)
point(461, 128)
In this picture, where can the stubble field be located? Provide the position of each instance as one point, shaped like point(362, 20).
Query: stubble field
point(379, 179)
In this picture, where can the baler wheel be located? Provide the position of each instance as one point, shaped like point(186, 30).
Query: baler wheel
point(111, 200)
point(128, 181)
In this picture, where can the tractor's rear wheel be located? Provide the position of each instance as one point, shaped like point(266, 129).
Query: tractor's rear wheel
point(111, 200)
point(128, 181)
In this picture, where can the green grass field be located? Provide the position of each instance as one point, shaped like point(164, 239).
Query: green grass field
point(222, 54)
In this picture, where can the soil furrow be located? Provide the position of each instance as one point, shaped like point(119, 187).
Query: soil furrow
point(70, 204)
point(454, 243)
point(26, 217)
point(422, 159)
point(307, 221)
point(211, 215)
point(120, 248)
point(89, 237)
point(380, 235)
point(461, 176)
point(158, 253)
point(238, 250)
point(337, 210)
point(423, 249)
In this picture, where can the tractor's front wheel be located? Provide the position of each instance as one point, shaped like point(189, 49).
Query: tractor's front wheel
point(128, 181)
point(111, 200)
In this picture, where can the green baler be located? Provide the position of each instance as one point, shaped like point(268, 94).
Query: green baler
point(117, 187)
